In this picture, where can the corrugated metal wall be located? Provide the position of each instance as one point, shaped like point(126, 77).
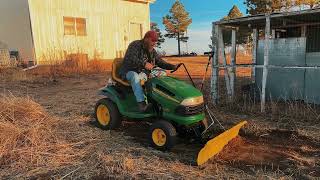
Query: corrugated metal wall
point(312, 79)
point(284, 83)
point(108, 27)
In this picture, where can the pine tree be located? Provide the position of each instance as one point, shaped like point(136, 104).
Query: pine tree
point(242, 35)
point(266, 6)
point(154, 27)
point(177, 23)
point(256, 6)
point(310, 3)
point(234, 12)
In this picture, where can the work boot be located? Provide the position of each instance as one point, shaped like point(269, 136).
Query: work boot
point(143, 107)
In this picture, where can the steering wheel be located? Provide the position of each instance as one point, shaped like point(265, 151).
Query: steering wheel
point(180, 64)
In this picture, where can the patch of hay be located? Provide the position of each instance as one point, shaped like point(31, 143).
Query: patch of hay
point(28, 138)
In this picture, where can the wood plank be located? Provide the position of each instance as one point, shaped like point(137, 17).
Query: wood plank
point(266, 63)
point(254, 53)
point(215, 63)
point(232, 70)
point(224, 62)
point(304, 31)
point(273, 33)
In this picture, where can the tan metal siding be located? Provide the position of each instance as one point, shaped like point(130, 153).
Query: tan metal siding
point(108, 27)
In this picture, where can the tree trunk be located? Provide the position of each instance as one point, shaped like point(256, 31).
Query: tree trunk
point(179, 44)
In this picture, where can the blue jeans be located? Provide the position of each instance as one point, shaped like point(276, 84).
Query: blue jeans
point(134, 79)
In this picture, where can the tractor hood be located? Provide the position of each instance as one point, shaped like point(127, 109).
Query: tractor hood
point(178, 89)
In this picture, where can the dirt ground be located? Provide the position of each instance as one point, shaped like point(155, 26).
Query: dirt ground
point(263, 150)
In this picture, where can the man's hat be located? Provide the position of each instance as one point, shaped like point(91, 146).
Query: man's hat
point(153, 35)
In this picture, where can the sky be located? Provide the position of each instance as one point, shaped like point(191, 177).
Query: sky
point(202, 12)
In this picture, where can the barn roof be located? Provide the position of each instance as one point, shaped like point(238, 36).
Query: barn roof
point(281, 19)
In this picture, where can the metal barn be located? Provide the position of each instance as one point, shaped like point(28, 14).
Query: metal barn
point(285, 56)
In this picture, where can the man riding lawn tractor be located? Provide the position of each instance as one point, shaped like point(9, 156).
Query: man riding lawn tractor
point(139, 61)
point(174, 107)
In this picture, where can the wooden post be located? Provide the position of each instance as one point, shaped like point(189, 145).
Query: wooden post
point(215, 68)
point(273, 33)
point(304, 31)
point(265, 64)
point(254, 53)
point(224, 61)
point(233, 62)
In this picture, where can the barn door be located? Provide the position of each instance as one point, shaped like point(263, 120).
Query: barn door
point(135, 31)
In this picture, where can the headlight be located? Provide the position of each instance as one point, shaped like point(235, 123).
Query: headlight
point(192, 101)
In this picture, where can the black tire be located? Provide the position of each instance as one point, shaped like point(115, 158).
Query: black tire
point(170, 135)
point(114, 120)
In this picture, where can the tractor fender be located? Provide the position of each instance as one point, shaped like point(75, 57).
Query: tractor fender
point(110, 93)
point(105, 94)
point(113, 95)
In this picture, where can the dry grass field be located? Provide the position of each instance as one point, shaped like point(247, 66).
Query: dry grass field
point(197, 65)
point(47, 130)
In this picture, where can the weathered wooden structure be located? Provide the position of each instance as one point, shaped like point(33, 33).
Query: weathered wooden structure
point(285, 56)
point(48, 30)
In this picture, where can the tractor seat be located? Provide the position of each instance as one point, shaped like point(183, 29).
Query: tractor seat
point(115, 73)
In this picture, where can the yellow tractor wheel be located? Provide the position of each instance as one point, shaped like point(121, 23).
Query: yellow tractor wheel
point(107, 114)
point(162, 135)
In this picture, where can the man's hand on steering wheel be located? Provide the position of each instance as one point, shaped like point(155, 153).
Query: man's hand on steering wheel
point(149, 66)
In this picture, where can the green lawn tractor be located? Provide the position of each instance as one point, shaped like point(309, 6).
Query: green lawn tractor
point(178, 112)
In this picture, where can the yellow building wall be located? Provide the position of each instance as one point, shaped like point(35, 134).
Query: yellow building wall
point(109, 24)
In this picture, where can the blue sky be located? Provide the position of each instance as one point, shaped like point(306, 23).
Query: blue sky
point(202, 12)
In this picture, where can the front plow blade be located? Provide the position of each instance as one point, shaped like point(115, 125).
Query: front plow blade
point(215, 145)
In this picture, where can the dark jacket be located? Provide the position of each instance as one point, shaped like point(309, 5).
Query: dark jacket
point(137, 56)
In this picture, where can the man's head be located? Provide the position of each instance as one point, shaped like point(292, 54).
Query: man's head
point(150, 40)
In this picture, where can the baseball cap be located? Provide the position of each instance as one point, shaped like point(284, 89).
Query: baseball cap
point(153, 35)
